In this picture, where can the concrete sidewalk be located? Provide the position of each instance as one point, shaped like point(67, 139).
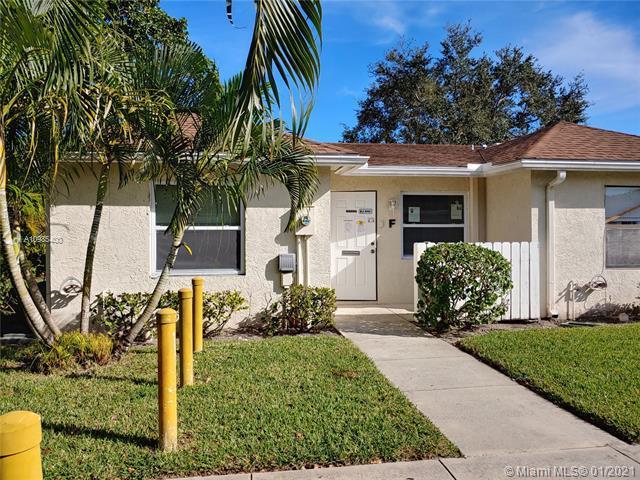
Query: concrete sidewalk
point(504, 430)
point(492, 419)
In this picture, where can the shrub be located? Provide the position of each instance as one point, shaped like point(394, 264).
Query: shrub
point(71, 350)
point(117, 313)
point(301, 309)
point(460, 285)
point(218, 308)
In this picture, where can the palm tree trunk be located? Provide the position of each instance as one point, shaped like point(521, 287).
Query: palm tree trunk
point(32, 285)
point(33, 317)
point(103, 182)
point(158, 291)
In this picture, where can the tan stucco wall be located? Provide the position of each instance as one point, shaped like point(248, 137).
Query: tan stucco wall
point(580, 245)
point(122, 255)
point(395, 274)
point(508, 207)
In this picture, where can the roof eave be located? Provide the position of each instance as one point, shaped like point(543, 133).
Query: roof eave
point(339, 160)
point(581, 165)
point(470, 170)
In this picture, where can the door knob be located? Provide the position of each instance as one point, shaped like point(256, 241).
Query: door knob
point(373, 250)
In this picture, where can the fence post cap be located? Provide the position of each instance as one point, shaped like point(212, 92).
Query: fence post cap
point(19, 431)
point(197, 281)
point(166, 315)
point(185, 293)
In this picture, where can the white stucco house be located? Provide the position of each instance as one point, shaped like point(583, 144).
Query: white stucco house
point(573, 189)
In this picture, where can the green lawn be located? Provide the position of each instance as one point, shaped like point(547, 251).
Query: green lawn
point(594, 372)
point(281, 403)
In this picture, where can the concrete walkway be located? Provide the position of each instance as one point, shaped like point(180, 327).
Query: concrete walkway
point(492, 419)
point(503, 429)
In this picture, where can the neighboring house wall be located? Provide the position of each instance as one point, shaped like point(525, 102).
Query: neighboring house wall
point(508, 207)
point(580, 240)
point(123, 250)
point(395, 274)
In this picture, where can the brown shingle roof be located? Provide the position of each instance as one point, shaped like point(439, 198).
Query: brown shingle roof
point(321, 148)
point(397, 154)
point(567, 141)
point(559, 141)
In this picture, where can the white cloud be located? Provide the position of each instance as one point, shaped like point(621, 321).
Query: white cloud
point(607, 54)
point(393, 18)
point(348, 92)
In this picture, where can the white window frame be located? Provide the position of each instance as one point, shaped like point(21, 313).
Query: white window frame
point(614, 226)
point(464, 225)
point(153, 228)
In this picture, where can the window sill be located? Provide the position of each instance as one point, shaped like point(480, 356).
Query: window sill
point(201, 273)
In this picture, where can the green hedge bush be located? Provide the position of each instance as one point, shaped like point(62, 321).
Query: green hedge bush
point(460, 285)
point(301, 309)
point(116, 314)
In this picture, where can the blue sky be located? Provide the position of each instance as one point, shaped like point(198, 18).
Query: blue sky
point(600, 39)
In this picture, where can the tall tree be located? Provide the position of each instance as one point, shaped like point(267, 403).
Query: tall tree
point(44, 48)
point(202, 153)
point(144, 24)
point(112, 101)
point(42, 45)
point(460, 98)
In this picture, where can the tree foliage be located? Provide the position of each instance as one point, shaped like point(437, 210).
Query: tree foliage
point(144, 24)
point(460, 98)
point(80, 76)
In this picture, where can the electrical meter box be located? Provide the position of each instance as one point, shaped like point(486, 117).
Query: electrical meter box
point(287, 262)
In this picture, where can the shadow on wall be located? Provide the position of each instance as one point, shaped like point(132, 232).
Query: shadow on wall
point(595, 303)
point(70, 289)
point(285, 242)
point(613, 313)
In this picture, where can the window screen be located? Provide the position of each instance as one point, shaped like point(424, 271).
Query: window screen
point(431, 218)
point(622, 226)
point(214, 237)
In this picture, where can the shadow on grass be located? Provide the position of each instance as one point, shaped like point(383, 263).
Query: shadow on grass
point(140, 441)
point(111, 378)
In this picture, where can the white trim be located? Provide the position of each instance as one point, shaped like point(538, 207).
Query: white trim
point(338, 160)
point(600, 165)
point(489, 169)
point(471, 169)
point(464, 225)
point(355, 164)
point(206, 227)
point(153, 228)
point(550, 192)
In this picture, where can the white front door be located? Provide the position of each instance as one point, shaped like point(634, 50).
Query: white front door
point(353, 245)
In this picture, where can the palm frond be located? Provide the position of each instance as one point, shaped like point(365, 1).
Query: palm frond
point(285, 46)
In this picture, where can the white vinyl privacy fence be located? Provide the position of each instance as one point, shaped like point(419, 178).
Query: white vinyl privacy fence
point(524, 298)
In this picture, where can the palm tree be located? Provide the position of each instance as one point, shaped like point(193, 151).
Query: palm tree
point(41, 44)
point(105, 117)
point(212, 162)
point(43, 52)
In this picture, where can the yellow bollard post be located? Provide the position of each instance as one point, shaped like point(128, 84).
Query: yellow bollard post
point(167, 395)
point(198, 284)
point(186, 337)
point(20, 437)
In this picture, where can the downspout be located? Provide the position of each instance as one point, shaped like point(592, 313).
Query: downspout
point(306, 261)
point(561, 176)
point(301, 266)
